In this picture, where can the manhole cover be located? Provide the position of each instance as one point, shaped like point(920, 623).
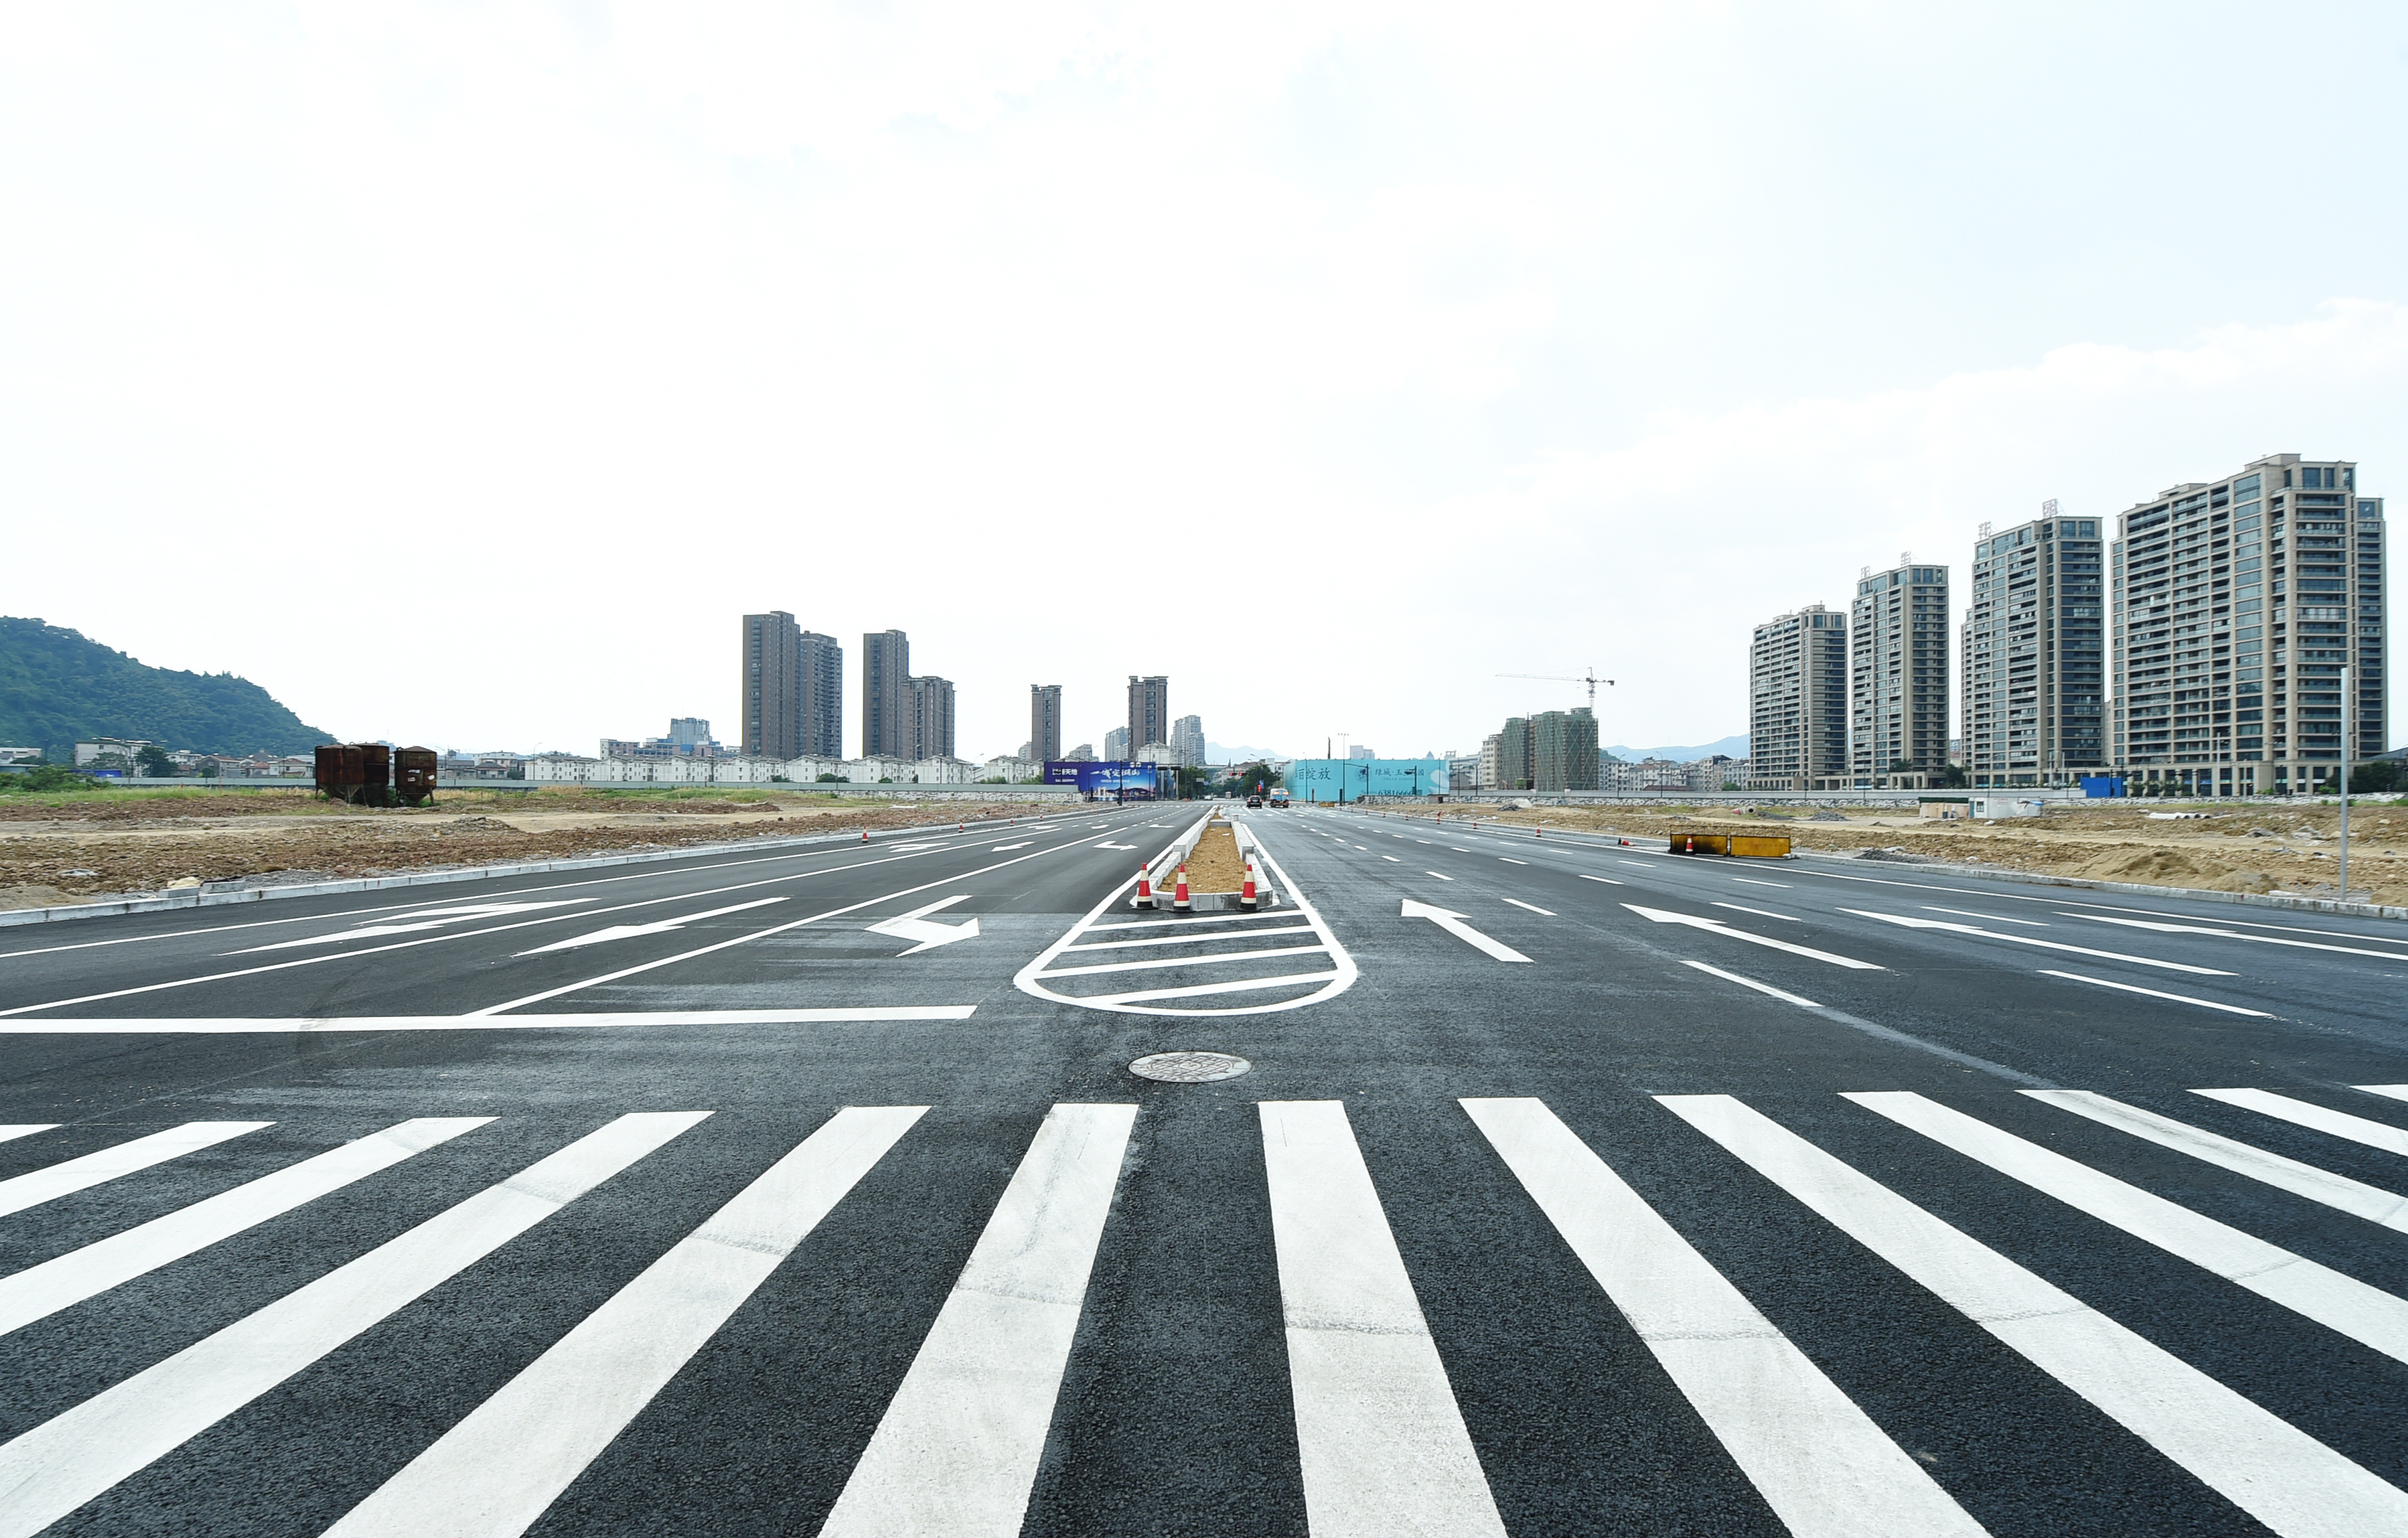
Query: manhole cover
point(1189, 1067)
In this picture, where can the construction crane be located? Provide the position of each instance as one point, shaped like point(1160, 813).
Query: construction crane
point(1588, 677)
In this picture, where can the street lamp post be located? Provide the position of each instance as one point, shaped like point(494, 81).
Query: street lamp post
point(2345, 707)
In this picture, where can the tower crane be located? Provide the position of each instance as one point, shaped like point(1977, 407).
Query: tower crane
point(1588, 677)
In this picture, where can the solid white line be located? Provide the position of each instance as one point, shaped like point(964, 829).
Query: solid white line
point(1184, 940)
point(1760, 912)
point(1186, 919)
point(41, 1291)
point(2177, 998)
point(956, 1452)
point(2389, 1091)
point(1511, 860)
point(11, 1132)
point(1752, 982)
point(496, 1472)
point(69, 1176)
point(70, 1458)
point(629, 932)
point(1995, 918)
point(2316, 1118)
point(1608, 880)
point(2287, 1174)
point(2369, 1316)
point(2231, 934)
point(1910, 922)
point(1816, 1456)
point(1242, 985)
point(1642, 864)
point(1435, 873)
point(1531, 906)
point(2284, 1479)
point(1715, 926)
point(1162, 962)
point(1751, 881)
point(309, 1024)
point(1384, 1448)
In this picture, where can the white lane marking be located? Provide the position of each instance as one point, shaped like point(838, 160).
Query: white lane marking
point(1531, 906)
point(116, 1161)
point(2287, 1479)
point(1186, 940)
point(2316, 1118)
point(1392, 859)
point(916, 925)
point(1908, 921)
point(2155, 993)
point(1810, 1450)
point(502, 1466)
point(1188, 921)
point(64, 1281)
point(1995, 918)
point(1607, 880)
point(2344, 1305)
point(1440, 877)
point(1163, 962)
point(1751, 881)
point(412, 922)
point(1125, 848)
point(997, 849)
point(1511, 860)
point(1453, 924)
point(1716, 927)
point(317, 1024)
point(1459, 849)
point(2390, 1091)
point(628, 931)
point(2340, 1192)
point(957, 1450)
point(1382, 1441)
point(69, 1460)
point(1752, 982)
point(2165, 929)
point(1364, 847)
point(14, 1131)
point(1760, 912)
point(1243, 984)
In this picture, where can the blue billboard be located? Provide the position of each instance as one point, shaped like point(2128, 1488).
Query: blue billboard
point(1103, 777)
point(1351, 779)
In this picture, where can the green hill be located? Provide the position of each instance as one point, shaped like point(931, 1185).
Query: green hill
point(56, 687)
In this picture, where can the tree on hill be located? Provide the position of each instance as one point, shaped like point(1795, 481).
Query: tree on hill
point(57, 687)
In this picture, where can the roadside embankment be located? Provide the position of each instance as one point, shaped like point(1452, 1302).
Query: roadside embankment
point(85, 847)
point(2277, 849)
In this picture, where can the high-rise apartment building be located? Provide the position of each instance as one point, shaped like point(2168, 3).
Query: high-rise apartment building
point(1149, 711)
point(819, 674)
point(2034, 654)
point(1898, 681)
point(771, 660)
point(1513, 766)
point(1116, 745)
point(1492, 768)
point(1798, 702)
point(932, 717)
point(1563, 750)
point(1045, 722)
point(1187, 737)
point(2238, 603)
point(887, 727)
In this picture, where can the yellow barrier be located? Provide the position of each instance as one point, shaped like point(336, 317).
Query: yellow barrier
point(1761, 846)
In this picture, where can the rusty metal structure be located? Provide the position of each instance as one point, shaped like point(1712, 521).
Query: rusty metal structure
point(413, 775)
point(372, 774)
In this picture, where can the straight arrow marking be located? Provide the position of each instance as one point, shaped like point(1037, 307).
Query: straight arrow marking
point(1715, 926)
point(915, 925)
point(1453, 924)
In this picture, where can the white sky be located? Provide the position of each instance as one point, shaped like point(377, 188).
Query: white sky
point(461, 374)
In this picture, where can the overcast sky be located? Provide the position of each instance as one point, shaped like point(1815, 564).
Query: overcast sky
point(462, 374)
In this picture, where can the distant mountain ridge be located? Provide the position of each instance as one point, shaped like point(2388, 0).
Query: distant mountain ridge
point(58, 687)
point(1729, 747)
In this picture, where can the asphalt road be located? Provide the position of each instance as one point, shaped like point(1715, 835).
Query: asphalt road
point(1573, 1188)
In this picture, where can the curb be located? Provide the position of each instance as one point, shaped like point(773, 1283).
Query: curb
point(66, 912)
point(2194, 893)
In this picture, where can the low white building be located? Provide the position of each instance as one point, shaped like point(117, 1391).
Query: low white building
point(569, 768)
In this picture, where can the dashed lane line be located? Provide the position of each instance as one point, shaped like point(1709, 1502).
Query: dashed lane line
point(1532, 906)
point(1783, 995)
point(1907, 922)
point(1760, 912)
point(2155, 993)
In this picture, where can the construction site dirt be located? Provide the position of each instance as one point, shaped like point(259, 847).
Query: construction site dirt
point(90, 848)
point(2269, 848)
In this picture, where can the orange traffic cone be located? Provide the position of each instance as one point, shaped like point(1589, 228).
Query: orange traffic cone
point(1144, 889)
point(1246, 894)
point(1179, 898)
point(865, 835)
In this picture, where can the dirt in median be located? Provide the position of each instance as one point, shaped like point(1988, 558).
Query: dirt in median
point(82, 850)
point(2266, 848)
point(1216, 866)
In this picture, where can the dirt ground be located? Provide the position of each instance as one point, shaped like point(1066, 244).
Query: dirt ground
point(2215, 846)
point(1216, 866)
point(79, 848)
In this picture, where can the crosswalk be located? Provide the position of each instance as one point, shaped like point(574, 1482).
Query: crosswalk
point(1381, 1441)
